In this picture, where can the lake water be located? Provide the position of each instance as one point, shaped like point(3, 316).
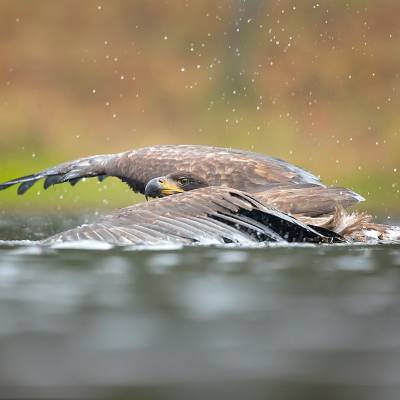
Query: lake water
point(285, 322)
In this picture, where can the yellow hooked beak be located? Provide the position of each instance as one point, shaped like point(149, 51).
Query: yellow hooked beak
point(169, 187)
point(161, 187)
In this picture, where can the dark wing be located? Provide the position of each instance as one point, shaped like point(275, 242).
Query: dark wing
point(72, 172)
point(238, 169)
point(204, 216)
point(308, 200)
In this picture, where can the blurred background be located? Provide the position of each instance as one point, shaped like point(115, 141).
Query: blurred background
point(314, 83)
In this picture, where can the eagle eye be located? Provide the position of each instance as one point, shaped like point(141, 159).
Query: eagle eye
point(183, 181)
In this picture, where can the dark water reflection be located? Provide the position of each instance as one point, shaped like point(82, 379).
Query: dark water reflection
point(295, 322)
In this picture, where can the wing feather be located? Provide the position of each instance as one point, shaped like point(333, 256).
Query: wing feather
point(308, 200)
point(239, 169)
point(213, 214)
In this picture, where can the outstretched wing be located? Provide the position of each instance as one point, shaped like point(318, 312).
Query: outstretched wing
point(204, 216)
point(72, 172)
point(242, 170)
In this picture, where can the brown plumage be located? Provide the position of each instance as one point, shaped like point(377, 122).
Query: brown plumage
point(318, 207)
point(210, 215)
point(291, 188)
point(269, 181)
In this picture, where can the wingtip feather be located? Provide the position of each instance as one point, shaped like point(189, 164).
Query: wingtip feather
point(6, 185)
point(358, 197)
point(51, 180)
point(23, 187)
point(25, 183)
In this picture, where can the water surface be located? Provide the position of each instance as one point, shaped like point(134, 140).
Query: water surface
point(289, 322)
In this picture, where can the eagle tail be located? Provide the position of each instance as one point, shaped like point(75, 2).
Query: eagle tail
point(72, 172)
